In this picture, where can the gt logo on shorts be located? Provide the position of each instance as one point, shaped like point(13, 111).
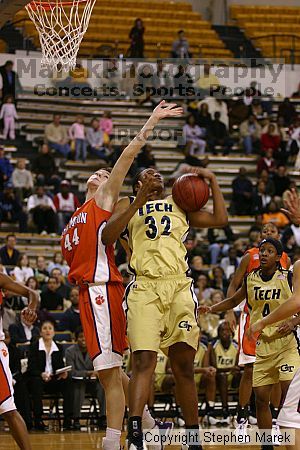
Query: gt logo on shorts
point(287, 368)
point(185, 324)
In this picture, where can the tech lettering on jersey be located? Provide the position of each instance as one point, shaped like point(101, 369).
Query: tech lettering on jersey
point(151, 207)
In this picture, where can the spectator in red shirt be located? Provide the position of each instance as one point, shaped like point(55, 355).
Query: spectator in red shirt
point(270, 139)
point(65, 203)
point(266, 162)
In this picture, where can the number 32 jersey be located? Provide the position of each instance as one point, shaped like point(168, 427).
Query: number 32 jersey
point(263, 296)
point(89, 260)
point(155, 236)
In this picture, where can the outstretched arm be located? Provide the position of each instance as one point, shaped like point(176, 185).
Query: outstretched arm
point(226, 304)
point(284, 311)
point(219, 217)
point(10, 285)
point(107, 194)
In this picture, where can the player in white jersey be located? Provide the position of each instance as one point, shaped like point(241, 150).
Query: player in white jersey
point(7, 406)
point(289, 416)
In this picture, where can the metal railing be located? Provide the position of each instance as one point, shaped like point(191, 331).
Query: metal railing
point(275, 47)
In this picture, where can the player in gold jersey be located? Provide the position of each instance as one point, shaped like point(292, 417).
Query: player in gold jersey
point(161, 304)
point(277, 356)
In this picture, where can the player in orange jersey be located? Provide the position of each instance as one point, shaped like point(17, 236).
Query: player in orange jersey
point(7, 406)
point(93, 268)
point(249, 262)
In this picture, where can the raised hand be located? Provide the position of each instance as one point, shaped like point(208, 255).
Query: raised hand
point(164, 109)
point(203, 309)
point(292, 204)
point(147, 188)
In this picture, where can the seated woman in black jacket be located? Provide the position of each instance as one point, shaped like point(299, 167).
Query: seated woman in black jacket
point(45, 357)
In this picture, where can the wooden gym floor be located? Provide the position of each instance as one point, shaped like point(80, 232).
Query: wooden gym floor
point(81, 441)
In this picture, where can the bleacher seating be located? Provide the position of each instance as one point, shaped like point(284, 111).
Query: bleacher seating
point(266, 20)
point(112, 20)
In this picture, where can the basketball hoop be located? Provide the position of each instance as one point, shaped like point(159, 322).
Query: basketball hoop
point(61, 27)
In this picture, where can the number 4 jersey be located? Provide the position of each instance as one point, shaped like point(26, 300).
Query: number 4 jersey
point(89, 260)
point(155, 236)
point(265, 295)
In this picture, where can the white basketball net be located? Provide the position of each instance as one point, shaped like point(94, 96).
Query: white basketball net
point(61, 27)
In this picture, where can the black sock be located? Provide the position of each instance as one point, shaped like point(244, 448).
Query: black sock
point(135, 433)
point(242, 412)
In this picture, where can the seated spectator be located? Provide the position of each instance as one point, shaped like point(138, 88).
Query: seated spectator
point(22, 179)
point(50, 298)
point(45, 168)
point(261, 198)
point(266, 162)
point(224, 357)
point(219, 280)
point(203, 118)
point(196, 266)
point(57, 136)
point(58, 263)
point(294, 142)
point(43, 211)
point(6, 167)
point(9, 255)
point(106, 124)
point(265, 177)
point(21, 394)
point(287, 111)
point(219, 240)
point(182, 81)
point(77, 133)
point(230, 263)
point(270, 138)
point(161, 83)
point(79, 76)
point(274, 215)
point(23, 331)
point(70, 320)
point(282, 154)
point(209, 323)
point(11, 209)
point(146, 158)
point(202, 288)
point(207, 81)
point(281, 181)
point(84, 379)
point(22, 271)
point(45, 357)
point(65, 203)
point(62, 287)
point(242, 194)
point(218, 136)
point(95, 139)
point(256, 108)
point(163, 380)
point(41, 273)
point(291, 239)
point(250, 131)
point(180, 47)
point(217, 105)
point(194, 136)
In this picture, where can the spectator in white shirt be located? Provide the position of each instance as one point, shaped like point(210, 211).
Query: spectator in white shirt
point(77, 134)
point(43, 211)
point(65, 203)
point(22, 271)
point(95, 138)
point(57, 136)
point(9, 114)
point(22, 179)
point(194, 136)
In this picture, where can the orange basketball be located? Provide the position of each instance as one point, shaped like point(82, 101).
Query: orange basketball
point(190, 192)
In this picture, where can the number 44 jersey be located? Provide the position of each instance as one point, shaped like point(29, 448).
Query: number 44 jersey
point(89, 260)
point(265, 295)
point(155, 236)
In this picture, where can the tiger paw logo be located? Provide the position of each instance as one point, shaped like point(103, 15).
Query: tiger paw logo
point(99, 300)
point(4, 353)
